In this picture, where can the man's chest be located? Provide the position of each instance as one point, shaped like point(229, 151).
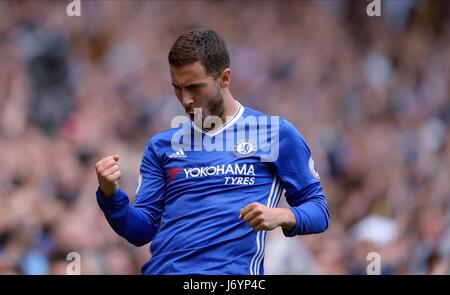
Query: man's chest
point(224, 168)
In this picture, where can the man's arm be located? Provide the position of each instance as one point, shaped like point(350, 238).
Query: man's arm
point(301, 181)
point(138, 223)
point(261, 217)
point(309, 211)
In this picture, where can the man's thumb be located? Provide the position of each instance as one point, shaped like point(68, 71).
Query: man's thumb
point(116, 158)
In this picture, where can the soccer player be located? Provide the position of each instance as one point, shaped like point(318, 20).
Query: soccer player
point(208, 189)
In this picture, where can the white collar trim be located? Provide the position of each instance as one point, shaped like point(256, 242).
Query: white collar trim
point(227, 124)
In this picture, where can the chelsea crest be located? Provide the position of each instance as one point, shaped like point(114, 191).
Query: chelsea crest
point(244, 148)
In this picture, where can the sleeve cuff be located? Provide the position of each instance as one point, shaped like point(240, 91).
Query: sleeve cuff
point(116, 201)
point(296, 229)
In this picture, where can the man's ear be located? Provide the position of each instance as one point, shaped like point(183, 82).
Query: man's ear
point(225, 78)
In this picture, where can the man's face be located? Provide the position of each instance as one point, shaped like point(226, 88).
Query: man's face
point(197, 89)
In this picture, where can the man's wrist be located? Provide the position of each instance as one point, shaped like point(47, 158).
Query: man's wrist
point(108, 193)
point(287, 220)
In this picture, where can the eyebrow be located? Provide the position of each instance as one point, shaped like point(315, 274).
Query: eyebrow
point(190, 85)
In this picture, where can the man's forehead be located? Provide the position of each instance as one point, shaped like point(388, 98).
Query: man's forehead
point(188, 74)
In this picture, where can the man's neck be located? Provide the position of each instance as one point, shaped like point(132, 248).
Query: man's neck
point(230, 107)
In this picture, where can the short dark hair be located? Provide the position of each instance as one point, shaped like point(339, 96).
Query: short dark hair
point(202, 45)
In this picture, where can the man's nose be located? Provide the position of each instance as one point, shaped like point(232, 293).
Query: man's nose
point(186, 100)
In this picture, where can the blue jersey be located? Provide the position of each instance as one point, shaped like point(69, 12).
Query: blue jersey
point(194, 183)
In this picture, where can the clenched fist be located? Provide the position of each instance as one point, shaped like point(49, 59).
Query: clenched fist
point(108, 174)
point(261, 217)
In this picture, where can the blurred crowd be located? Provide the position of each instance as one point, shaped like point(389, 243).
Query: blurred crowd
point(369, 94)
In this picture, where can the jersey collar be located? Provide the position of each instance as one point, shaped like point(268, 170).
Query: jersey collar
point(227, 124)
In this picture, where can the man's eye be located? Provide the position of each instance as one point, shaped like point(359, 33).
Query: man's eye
point(193, 87)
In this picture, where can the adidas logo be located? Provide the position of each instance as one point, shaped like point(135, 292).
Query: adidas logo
point(179, 154)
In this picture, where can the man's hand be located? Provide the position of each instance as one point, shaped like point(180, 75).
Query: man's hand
point(261, 217)
point(108, 174)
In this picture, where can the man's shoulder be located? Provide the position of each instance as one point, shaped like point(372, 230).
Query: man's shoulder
point(164, 138)
point(272, 117)
point(164, 134)
point(279, 124)
point(252, 112)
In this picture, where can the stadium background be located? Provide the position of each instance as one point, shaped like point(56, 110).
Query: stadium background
point(371, 96)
